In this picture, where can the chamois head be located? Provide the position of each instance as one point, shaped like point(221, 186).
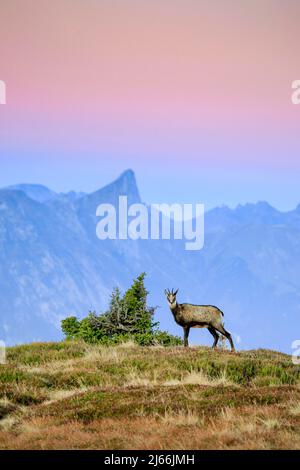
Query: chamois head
point(171, 297)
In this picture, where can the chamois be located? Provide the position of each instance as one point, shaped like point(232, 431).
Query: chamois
point(198, 316)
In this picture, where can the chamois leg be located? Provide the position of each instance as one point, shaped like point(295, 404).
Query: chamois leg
point(186, 330)
point(215, 335)
point(222, 330)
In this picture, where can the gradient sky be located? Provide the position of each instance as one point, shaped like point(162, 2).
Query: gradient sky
point(194, 95)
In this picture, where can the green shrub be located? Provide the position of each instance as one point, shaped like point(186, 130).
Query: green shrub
point(128, 318)
point(165, 339)
point(70, 327)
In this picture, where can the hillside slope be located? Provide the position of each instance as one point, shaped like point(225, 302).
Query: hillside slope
point(73, 396)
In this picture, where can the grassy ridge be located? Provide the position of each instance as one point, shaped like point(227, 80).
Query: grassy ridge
point(73, 395)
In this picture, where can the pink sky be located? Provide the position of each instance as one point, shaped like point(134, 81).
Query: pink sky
point(188, 85)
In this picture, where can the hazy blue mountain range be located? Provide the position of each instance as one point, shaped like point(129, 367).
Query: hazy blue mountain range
point(53, 265)
point(41, 193)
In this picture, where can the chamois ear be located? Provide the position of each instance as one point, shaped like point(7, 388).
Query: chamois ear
point(175, 293)
point(166, 292)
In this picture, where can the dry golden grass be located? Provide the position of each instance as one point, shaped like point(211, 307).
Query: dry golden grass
point(295, 409)
point(200, 378)
point(182, 418)
point(234, 429)
point(75, 396)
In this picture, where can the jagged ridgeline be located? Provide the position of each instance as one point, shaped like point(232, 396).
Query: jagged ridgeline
point(128, 318)
point(52, 264)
